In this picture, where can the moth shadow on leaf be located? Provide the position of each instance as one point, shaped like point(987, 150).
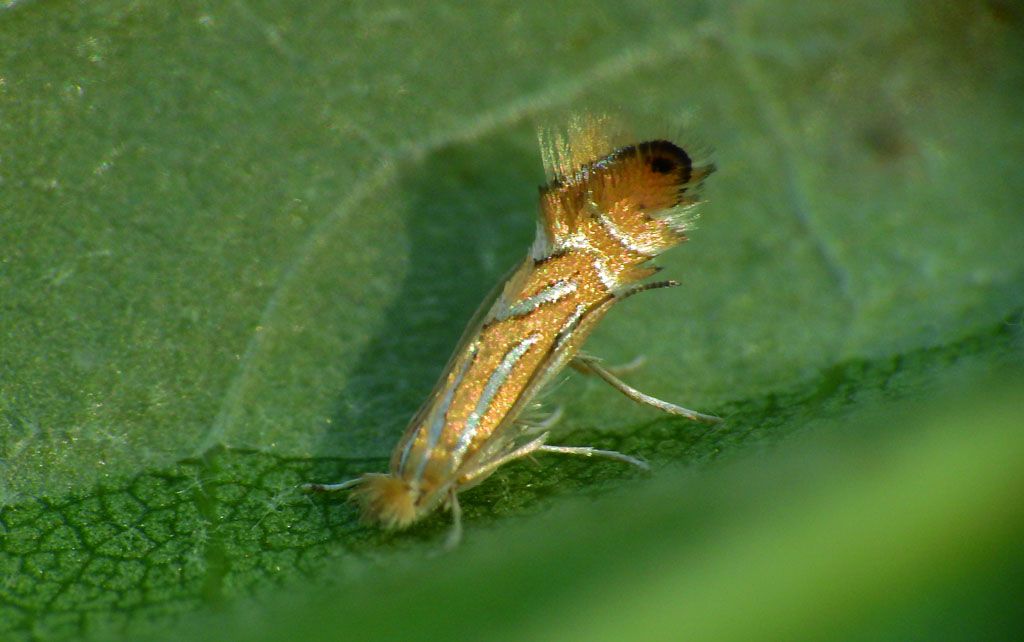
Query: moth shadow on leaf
point(470, 212)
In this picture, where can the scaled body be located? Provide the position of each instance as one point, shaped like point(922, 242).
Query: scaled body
point(604, 214)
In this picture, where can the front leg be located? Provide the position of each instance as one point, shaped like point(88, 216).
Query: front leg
point(455, 534)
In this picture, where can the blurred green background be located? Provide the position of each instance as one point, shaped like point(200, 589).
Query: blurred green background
point(239, 239)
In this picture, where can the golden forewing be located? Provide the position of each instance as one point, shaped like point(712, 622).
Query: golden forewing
point(607, 211)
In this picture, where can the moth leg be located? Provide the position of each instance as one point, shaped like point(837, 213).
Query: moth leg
point(643, 287)
point(538, 445)
point(488, 468)
point(455, 534)
point(630, 366)
point(591, 365)
point(587, 451)
point(331, 488)
point(542, 424)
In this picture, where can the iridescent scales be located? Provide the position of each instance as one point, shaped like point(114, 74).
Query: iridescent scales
point(606, 211)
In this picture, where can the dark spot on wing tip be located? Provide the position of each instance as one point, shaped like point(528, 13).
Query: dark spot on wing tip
point(662, 165)
point(660, 157)
point(665, 157)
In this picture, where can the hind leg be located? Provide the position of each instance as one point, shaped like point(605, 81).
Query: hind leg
point(592, 365)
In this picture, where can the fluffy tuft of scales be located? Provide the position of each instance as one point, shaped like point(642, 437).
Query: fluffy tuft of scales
point(386, 500)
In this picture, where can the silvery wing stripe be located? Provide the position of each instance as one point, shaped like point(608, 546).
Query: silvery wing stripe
point(541, 248)
point(494, 383)
point(577, 241)
point(570, 325)
point(607, 278)
point(437, 416)
point(405, 452)
point(623, 239)
point(550, 294)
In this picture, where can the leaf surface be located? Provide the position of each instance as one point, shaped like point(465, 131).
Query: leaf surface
point(238, 240)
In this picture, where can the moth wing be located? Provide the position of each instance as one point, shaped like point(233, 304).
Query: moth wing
point(565, 153)
point(472, 329)
point(506, 436)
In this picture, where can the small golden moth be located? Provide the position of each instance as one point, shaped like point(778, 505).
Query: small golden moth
point(607, 210)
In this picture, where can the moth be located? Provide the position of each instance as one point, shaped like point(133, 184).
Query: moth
point(606, 211)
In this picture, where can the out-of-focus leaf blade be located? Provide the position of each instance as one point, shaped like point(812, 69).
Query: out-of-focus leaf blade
point(238, 240)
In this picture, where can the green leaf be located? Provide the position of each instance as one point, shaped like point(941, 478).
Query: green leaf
point(238, 240)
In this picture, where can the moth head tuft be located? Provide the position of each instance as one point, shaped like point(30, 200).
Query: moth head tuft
point(387, 500)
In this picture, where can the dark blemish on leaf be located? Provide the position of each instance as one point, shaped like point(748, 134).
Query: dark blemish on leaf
point(885, 140)
point(1005, 12)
